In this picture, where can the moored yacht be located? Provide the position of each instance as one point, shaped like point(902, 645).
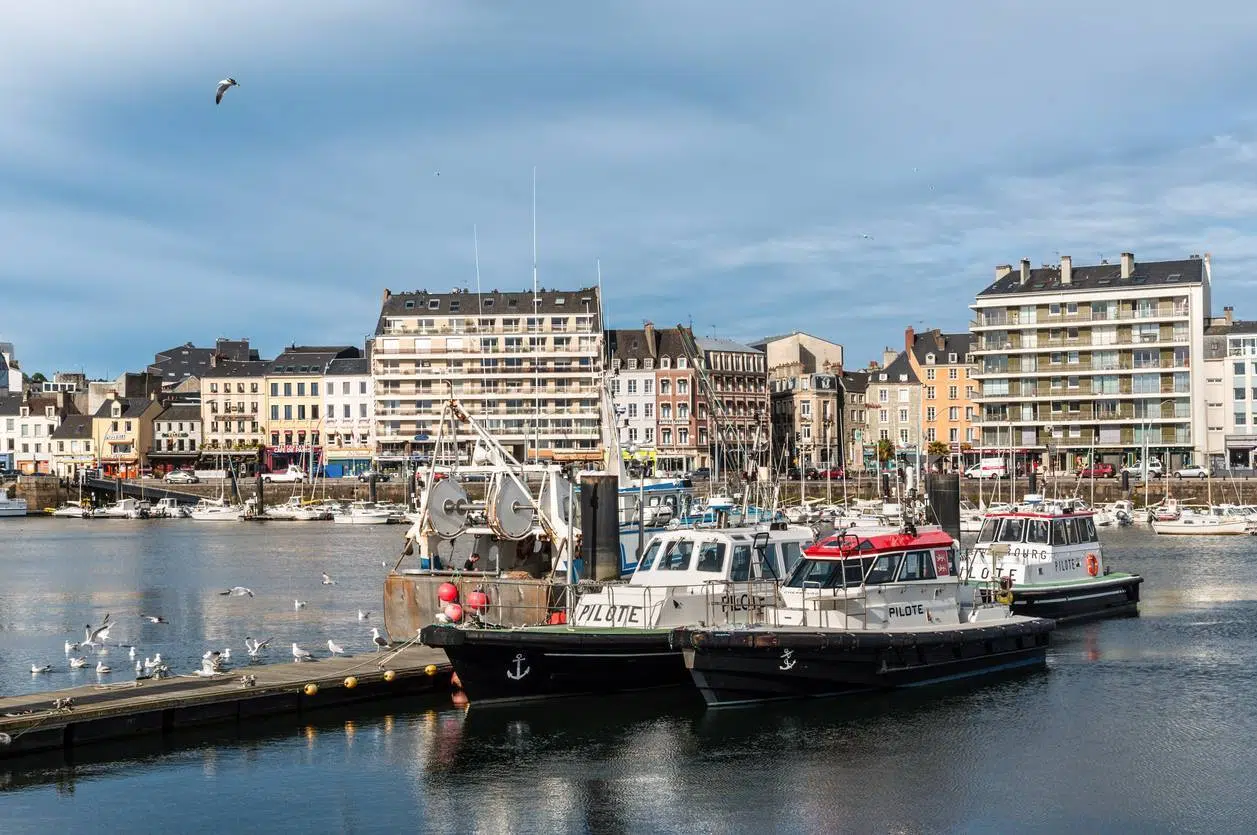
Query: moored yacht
point(1215, 520)
point(12, 507)
point(216, 510)
point(862, 613)
point(125, 509)
point(614, 637)
point(1046, 559)
point(363, 513)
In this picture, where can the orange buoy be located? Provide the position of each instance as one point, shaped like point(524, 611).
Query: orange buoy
point(1093, 564)
point(455, 681)
point(454, 612)
point(389, 675)
point(459, 698)
point(477, 601)
point(447, 592)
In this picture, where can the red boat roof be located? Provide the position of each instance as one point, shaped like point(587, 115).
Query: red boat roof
point(854, 545)
point(1040, 514)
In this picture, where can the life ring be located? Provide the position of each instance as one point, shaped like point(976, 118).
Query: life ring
point(1093, 564)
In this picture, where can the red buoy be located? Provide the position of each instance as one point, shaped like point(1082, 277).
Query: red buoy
point(447, 592)
point(454, 612)
point(558, 618)
point(477, 601)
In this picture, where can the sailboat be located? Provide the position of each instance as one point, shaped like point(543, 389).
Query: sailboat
point(218, 510)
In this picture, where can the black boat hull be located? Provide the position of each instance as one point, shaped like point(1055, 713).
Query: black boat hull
point(1107, 597)
point(754, 665)
point(500, 666)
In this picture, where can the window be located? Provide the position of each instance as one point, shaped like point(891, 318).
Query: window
point(274, 412)
point(274, 389)
point(301, 412)
point(314, 389)
point(953, 373)
point(1240, 393)
point(1054, 309)
point(883, 415)
point(903, 437)
point(952, 392)
point(648, 386)
point(632, 387)
point(314, 411)
point(883, 395)
point(929, 373)
point(683, 386)
point(929, 414)
point(287, 412)
point(929, 392)
point(903, 415)
point(287, 389)
point(648, 410)
point(953, 413)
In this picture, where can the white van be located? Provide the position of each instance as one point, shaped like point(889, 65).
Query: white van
point(988, 468)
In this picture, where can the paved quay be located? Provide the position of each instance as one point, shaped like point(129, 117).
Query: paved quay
point(98, 713)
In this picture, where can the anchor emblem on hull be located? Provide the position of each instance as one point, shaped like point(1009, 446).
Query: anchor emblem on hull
point(520, 670)
point(787, 660)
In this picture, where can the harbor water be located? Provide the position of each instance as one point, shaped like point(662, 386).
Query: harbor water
point(1138, 725)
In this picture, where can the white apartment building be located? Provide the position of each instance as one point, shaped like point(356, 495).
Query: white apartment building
point(1231, 393)
point(233, 406)
point(348, 416)
point(1102, 360)
point(37, 420)
point(73, 447)
point(529, 366)
point(633, 355)
point(893, 407)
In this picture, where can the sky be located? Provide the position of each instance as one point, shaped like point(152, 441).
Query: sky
point(751, 168)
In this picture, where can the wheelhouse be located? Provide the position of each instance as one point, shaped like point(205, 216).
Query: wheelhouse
point(850, 561)
point(696, 556)
point(1041, 529)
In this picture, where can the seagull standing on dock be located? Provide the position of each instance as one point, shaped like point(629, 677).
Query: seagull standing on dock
point(334, 648)
point(380, 643)
point(328, 581)
point(299, 654)
point(237, 591)
point(223, 86)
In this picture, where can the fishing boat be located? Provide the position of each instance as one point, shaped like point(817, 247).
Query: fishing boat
point(970, 517)
point(614, 637)
point(1047, 561)
point(863, 613)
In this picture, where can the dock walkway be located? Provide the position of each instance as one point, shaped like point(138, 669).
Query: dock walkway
point(30, 723)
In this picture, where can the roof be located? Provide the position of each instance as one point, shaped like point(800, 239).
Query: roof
point(628, 344)
point(1238, 326)
point(74, 427)
point(346, 366)
point(181, 362)
point(310, 359)
point(131, 406)
point(181, 411)
point(233, 368)
point(492, 303)
point(899, 367)
point(854, 545)
point(11, 403)
point(1100, 277)
point(726, 345)
point(927, 342)
point(856, 381)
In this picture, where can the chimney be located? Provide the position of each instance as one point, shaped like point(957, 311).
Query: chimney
point(649, 329)
point(1228, 313)
point(1067, 270)
point(1128, 264)
point(1003, 270)
point(909, 336)
point(1025, 271)
point(939, 342)
point(388, 294)
point(888, 356)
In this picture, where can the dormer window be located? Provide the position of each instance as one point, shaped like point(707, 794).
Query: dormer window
point(665, 362)
point(929, 359)
point(410, 304)
point(903, 378)
point(648, 363)
point(615, 364)
point(632, 364)
point(951, 358)
point(680, 362)
point(881, 377)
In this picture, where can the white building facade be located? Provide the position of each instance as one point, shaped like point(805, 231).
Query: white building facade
point(1231, 394)
point(348, 417)
point(1094, 362)
point(529, 366)
point(36, 422)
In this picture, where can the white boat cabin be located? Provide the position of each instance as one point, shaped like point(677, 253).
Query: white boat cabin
point(880, 582)
point(708, 577)
point(1036, 543)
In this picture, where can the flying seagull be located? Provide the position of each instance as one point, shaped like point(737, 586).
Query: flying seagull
point(223, 86)
point(154, 619)
point(298, 604)
point(70, 647)
point(380, 643)
point(299, 654)
point(237, 591)
point(254, 647)
point(328, 581)
point(93, 637)
point(867, 237)
point(334, 648)
point(363, 615)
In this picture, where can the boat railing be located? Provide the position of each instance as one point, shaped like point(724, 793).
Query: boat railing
point(745, 602)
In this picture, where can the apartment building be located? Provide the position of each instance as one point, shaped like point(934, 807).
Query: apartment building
point(73, 447)
point(805, 399)
point(944, 365)
point(1230, 361)
point(737, 375)
point(176, 437)
point(528, 365)
point(858, 450)
point(348, 416)
point(1103, 359)
point(233, 402)
point(28, 431)
point(122, 433)
point(894, 410)
point(294, 396)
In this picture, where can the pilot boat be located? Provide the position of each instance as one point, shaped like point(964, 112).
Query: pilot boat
point(1046, 559)
point(616, 636)
point(862, 613)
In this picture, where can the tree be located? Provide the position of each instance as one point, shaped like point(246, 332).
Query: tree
point(885, 450)
point(938, 448)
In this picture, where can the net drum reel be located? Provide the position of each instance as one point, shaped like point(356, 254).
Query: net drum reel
point(509, 508)
point(448, 508)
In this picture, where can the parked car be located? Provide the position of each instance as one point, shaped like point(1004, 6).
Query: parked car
point(365, 475)
point(6, 475)
point(181, 477)
point(1191, 471)
point(988, 468)
point(291, 475)
point(1137, 469)
point(831, 474)
point(701, 474)
point(1098, 471)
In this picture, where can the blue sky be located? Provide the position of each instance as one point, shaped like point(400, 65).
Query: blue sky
point(723, 159)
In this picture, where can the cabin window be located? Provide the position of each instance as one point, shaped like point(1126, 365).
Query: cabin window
point(740, 570)
point(768, 564)
point(791, 553)
point(989, 527)
point(916, 565)
point(1011, 530)
point(1037, 531)
point(1086, 529)
point(1064, 532)
point(883, 570)
point(648, 559)
point(711, 557)
point(825, 574)
point(676, 557)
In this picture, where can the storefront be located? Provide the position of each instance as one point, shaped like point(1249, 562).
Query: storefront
point(276, 459)
point(163, 463)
